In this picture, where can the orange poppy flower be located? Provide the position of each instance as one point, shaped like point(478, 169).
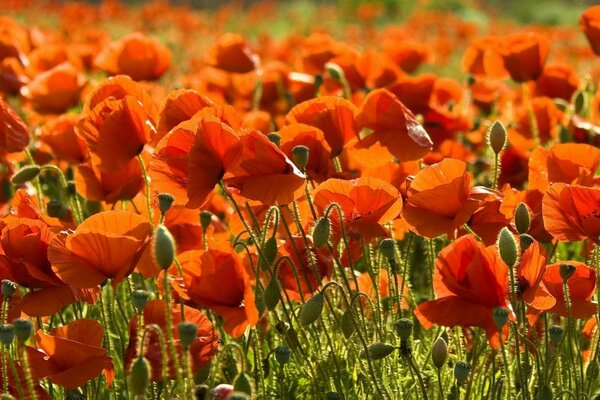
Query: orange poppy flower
point(104, 246)
point(318, 49)
point(532, 289)
point(407, 54)
point(547, 116)
point(118, 87)
point(193, 157)
point(264, 173)
point(299, 254)
point(488, 220)
point(332, 115)
point(367, 204)
point(469, 282)
point(393, 125)
point(558, 81)
point(319, 166)
point(483, 57)
point(448, 180)
point(573, 163)
point(203, 275)
point(589, 22)
point(533, 200)
point(136, 55)
point(232, 54)
point(582, 286)
point(12, 75)
point(414, 92)
point(571, 213)
point(15, 386)
point(55, 90)
point(24, 260)
point(72, 355)
point(97, 185)
point(202, 349)
point(524, 55)
point(59, 134)
point(14, 134)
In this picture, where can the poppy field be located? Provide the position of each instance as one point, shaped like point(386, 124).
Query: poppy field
point(263, 202)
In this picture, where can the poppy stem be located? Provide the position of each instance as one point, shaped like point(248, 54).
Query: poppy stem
point(72, 196)
point(37, 184)
point(169, 333)
point(505, 366)
point(27, 371)
point(5, 355)
point(496, 171)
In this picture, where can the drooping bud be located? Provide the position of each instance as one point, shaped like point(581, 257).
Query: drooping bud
point(522, 218)
point(507, 247)
point(205, 219)
point(312, 309)
point(439, 352)
point(164, 247)
point(500, 317)
point(242, 384)
point(403, 328)
point(300, 155)
point(8, 288)
point(387, 248)
point(187, 333)
point(377, 351)
point(269, 252)
point(139, 376)
point(461, 372)
point(7, 334)
point(23, 329)
point(347, 323)
point(566, 271)
point(497, 137)
point(165, 201)
point(139, 299)
point(321, 232)
point(556, 334)
point(525, 240)
point(272, 293)
point(25, 174)
point(282, 354)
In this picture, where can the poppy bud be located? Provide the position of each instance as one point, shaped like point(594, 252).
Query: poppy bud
point(200, 392)
point(165, 201)
point(403, 328)
point(525, 240)
point(461, 372)
point(139, 299)
point(335, 71)
point(187, 333)
point(139, 376)
point(274, 138)
point(580, 102)
point(269, 252)
point(347, 323)
point(321, 232)
point(377, 351)
point(26, 174)
point(242, 384)
point(205, 219)
point(566, 271)
point(507, 247)
point(300, 156)
point(23, 329)
point(387, 247)
point(8, 288)
point(282, 354)
point(312, 309)
point(439, 352)
point(7, 334)
point(334, 396)
point(556, 334)
point(497, 137)
point(500, 317)
point(522, 218)
point(272, 294)
point(164, 247)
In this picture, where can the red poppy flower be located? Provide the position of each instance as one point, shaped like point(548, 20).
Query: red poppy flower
point(14, 134)
point(59, 134)
point(558, 81)
point(72, 355)
point(104, 246)
point(589, 22)
point(203, 275)
point(367, 204)
point(393, 125)
point(407, 54)
point(414, 92)
point(488, 220)
point(140, 57)
point(118, 87)
point(582, 286)
point(469, 282)
point(483, 57)
point(332, 115)
point(548, 118)
point(572, 213)
point(320, 165)
point(524, 55)
point(110, 187)
point(532, 289)
point(202, 349)
point(232, 54)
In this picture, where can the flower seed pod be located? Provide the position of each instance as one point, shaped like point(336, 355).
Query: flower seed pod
point(403, 328)
point(566, 271)
point(205, 219)
point(139, 299)
point(321, 232)
point(525, 240)
point(312, 309)
point(242, 384)
point(500, 317)
point(300, 156)
point(139, 376)
point(497, 137)
point(347, 323)
point(377, 351)
point(164, 247)
point(25, 174)
point(507, 247)
point(439, 352)
point(282, 354)
point(272, 294)
point(187, 333)
point(522, 218)
point(274, 138)
point(387, 248)
point(461, 372)
point(165, 201)
point(556, 334)
point(8, 288)
point(23, 329)
point(7, 334)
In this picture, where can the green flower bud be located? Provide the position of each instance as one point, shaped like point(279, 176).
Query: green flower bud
point(187, 333)
point(164, 247)
point(500, 317)
point(377, 351)
point(522, 218)
point(282, 354)
point(525, 240)
point(439, 352)
point(165, 201)
point(566, 271)
point(335, 71)
point(7, 334)
point(556, 334)
point(300, 155)
point(23, 329)
point(461, 372)
point(274, 138)
point(272, 294)
point(388, 249)
point(581, 103)
point(242, 384)
point(139, 376)
point(312, 309)
point(8, 288)
point(347, 324)
point(497, 137)
point(507, 247)
point(139, 299)
point(321, 232)
point(25, 174)
point(205, 219)
point(403, 328)
point(269, 252)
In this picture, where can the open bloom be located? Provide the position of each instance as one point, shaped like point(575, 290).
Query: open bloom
point(582, 285)
point(532, 289)
point(14, 135)
point(590, 25)
point(524, 55)
point(231, 53)
point(469, 282)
